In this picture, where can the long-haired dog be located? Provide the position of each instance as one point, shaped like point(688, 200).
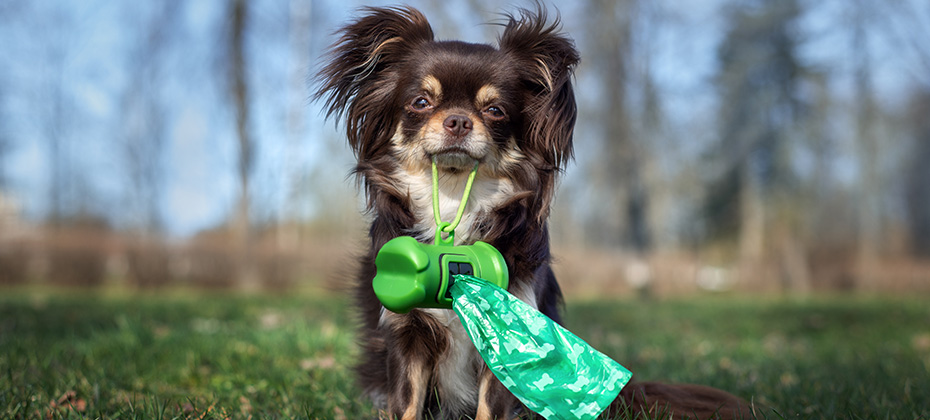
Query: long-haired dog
point(408, 99)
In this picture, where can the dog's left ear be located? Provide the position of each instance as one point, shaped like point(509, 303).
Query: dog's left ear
point(547, 59)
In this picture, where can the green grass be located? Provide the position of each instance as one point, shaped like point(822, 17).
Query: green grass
point(820, 358)
point(78, 354)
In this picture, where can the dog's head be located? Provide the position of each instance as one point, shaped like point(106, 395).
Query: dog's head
point(410, 99)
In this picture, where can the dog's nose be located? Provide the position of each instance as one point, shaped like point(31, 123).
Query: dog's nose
point(458, 125)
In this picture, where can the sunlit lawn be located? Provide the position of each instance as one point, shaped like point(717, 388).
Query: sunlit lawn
point(77, 354)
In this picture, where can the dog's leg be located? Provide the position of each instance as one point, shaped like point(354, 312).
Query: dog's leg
point(417, 342)
point(484, 409)
point(495, 402)
point(406, 402)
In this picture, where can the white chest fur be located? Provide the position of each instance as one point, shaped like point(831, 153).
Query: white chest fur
point(486, 194)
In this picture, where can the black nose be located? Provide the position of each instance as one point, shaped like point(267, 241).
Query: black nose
point(458, 125)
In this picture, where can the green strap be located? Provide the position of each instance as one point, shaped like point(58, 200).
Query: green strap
point(450, 227)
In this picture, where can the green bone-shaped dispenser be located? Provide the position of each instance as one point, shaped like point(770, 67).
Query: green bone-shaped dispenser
point(411, 274)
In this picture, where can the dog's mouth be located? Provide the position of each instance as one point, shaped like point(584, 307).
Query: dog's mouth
point(454, 159)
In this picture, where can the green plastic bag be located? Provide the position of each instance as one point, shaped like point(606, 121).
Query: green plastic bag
point(551, 370)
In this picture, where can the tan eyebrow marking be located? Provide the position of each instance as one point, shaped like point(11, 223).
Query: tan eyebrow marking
point(486, 96)
point(431, 86)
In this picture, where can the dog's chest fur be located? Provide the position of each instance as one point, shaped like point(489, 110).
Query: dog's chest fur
point(486, 194)
point(456, 379)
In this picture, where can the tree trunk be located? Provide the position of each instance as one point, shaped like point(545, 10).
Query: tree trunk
point(238, 17)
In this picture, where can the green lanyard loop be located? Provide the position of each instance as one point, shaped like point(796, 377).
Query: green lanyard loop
point(447, 227)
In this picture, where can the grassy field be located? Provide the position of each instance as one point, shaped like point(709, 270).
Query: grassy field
point(78, 354)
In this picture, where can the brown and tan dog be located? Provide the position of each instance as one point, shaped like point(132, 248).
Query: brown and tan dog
point(408, 100)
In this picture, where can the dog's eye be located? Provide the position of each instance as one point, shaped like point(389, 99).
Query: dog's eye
point(421, 104)
point(494, 113)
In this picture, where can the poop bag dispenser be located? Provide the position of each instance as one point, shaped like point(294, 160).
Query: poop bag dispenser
point(415, 275)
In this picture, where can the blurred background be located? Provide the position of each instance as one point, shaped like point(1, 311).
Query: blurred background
point(770, 146)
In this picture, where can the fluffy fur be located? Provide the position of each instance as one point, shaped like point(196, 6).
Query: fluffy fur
point(406, 99)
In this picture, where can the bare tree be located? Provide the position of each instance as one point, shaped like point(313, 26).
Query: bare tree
point(760, 118)
point(619, 170)
point(5, 141)
point(866, 116)
point(238, 19)
point(917, 173)
point(905, 27)
point(145, 115)
point(300, 36)
point(8, 12)
point(56, 115)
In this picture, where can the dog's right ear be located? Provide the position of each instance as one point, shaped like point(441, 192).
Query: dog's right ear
point(357, 82)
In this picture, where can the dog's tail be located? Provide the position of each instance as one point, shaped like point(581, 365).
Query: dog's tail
point(678, 400)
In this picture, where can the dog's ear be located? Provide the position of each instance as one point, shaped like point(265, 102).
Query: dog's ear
point(358, 81)
point(547, 59)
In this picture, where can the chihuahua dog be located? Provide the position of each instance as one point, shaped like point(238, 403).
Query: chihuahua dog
point(408, 100)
